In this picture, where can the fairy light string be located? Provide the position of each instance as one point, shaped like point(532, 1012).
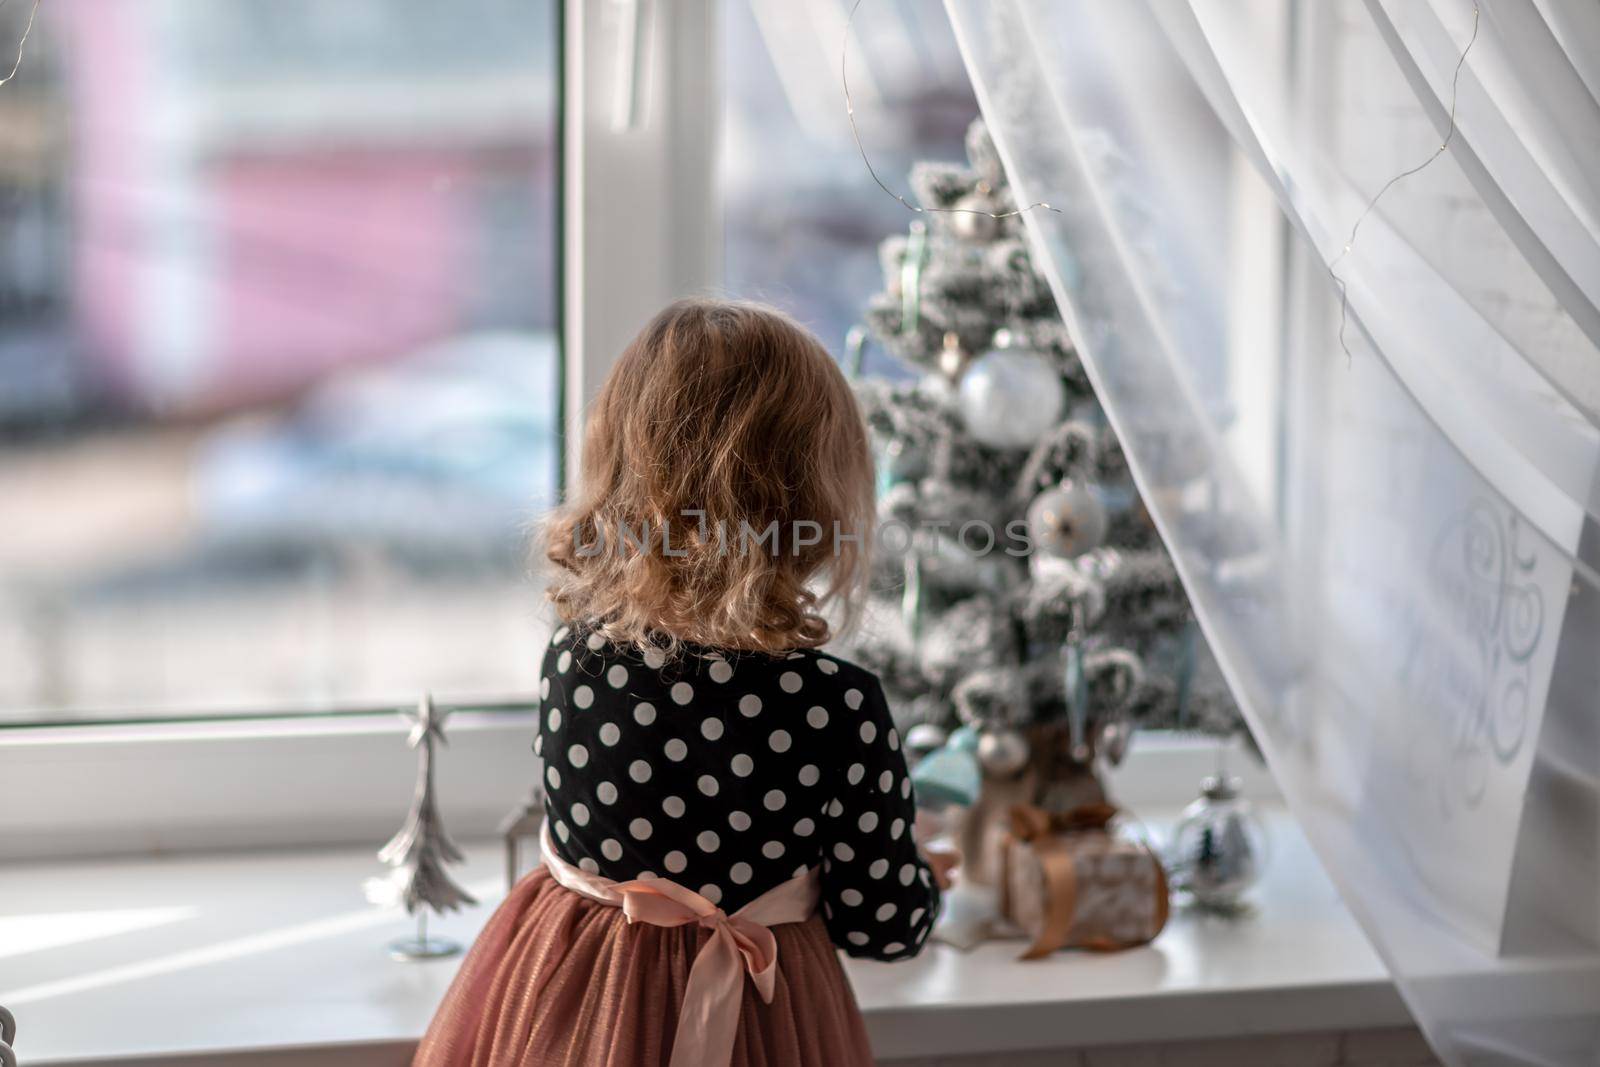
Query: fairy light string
point(1444, 146)
point(22, 43)
point(855, 133)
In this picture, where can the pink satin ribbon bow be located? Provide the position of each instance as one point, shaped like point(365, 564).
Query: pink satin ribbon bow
point(741, 944)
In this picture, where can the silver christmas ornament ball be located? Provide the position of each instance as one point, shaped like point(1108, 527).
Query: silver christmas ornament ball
point(1009, 397)
point(972, 219)
point(1067, 520)
point(1002, 751)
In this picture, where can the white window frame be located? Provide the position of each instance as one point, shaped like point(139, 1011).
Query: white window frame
point(641, 209)
point(640, 225)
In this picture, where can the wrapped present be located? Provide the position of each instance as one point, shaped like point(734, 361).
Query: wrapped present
point(1052, 779)
point(1068, 881)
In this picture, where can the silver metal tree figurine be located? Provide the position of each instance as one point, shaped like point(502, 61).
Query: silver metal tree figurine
point(420, 851)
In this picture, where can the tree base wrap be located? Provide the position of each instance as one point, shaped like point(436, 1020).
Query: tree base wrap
point(1070, 883)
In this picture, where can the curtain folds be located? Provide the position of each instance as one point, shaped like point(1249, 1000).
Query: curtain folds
point(1387, 513)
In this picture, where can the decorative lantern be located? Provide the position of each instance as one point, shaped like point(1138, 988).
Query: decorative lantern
point(523, 823)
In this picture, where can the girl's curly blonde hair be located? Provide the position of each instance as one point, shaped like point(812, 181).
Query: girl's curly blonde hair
point(727, 436)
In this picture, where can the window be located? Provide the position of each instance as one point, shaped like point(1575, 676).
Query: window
point(279, 376)
point(802, 217)
point(278, 369)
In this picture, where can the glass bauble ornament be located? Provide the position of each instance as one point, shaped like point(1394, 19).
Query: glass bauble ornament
point(1002, 751)
point(972, 219)
point(1067, 520)
point(1219, 848)
point(1009, 397)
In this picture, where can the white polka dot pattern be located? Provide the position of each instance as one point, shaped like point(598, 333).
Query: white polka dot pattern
point(648, 768)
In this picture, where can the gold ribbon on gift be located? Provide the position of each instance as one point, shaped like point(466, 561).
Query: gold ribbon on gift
point(1046, 833)
point(1030, 823)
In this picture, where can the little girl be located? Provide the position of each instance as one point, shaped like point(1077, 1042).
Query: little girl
point(726, 802)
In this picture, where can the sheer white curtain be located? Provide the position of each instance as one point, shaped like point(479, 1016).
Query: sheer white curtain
point(1391, 539)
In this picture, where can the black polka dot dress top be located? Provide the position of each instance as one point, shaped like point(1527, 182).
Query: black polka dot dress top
point(731, 772)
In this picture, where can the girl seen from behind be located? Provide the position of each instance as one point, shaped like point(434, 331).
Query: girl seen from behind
point(728, 804)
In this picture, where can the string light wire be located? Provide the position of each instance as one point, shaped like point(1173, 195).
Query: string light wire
point(1444, 146)
point(21, 44)
point(855, 133)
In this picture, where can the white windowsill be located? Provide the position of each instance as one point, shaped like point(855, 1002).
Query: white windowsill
point(311, 781)
point(272, 958)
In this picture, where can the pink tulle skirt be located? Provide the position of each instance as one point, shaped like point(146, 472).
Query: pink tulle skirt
point(557, 978)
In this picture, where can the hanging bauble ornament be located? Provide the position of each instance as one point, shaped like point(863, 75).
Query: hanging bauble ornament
point(1219, 848)
point(972, 218)
point(1009, 397)
point(1067, 520)
point(953, 359)
point(1002, 751)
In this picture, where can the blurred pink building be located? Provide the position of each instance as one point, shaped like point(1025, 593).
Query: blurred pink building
point(262, 193)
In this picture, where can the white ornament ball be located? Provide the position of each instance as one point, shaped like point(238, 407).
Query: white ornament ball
point(1002, 752)
point(973, 219)
point(1067, 520)
point(1010, 397)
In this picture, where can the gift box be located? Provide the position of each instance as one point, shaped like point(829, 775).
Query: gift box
point(1068, 881)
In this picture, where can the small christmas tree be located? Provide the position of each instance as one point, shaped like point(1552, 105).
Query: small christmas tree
point(1013, 670)
point(420, 851)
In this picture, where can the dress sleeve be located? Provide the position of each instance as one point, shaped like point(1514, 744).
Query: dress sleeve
point(879, 898)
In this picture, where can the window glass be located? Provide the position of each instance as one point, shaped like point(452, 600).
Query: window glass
point(803, 218)
point(278, 374)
